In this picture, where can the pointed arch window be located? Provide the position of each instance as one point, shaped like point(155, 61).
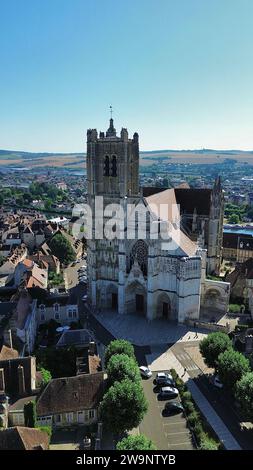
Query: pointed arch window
point(114, 166)
point(106, 166)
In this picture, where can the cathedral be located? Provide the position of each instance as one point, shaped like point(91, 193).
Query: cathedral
point(153, 266)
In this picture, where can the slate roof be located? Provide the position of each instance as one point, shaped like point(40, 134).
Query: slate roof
point(69, 394)
point(189, 199)
point(75, 338)
point(192, 198)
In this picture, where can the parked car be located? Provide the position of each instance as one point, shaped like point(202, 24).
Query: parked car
point(173, 407)
point(145, 372)
point(161, 377)
point(166, 383)
point(166, 393)
point(217, 383)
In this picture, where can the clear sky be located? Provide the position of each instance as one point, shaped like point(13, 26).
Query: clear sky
point(179, 72)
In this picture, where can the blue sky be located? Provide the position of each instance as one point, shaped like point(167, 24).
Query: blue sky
point(179, 72)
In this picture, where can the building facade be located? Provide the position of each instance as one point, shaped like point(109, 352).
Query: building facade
point(138, 273)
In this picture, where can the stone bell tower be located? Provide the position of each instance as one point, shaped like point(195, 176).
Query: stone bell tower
point(112, 163)
point(113, 173)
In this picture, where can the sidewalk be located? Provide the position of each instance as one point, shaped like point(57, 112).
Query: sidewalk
point(213, 419)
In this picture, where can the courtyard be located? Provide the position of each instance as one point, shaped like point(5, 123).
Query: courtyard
point(141, 332)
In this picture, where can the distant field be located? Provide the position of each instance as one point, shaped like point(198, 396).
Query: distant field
point(77, 161)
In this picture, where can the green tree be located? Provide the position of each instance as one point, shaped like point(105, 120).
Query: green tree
point(232, 365)
point(27, 198)
point(30, 414)
point(60, 362)
point(48, 204)
point(120, 367)
point(119, 346)
point(140, 442)
point(213, 345)
point(234, 219)
point(46, 375)
point(123, 406)
point(244, 394)
point(62, 249)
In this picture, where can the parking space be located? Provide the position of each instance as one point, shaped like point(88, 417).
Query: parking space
point(167, 432)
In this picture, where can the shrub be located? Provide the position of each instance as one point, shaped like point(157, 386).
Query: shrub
point(193, 418)
point(174, 374)
point(180, 385)
point(235, 308)
point(208, 444)
point(188, 406)
point(186, 396)
point(46, 429)
point(198, 431)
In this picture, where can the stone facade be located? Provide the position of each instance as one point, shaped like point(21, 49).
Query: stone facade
point(140, 275)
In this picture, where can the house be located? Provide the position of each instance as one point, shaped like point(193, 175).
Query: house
point(237, 247)
point(241, 281)
point(43, 261)
point(29, 272)
point(70, 401)
point(22, 438)
point(23, 322)
point(61, 308)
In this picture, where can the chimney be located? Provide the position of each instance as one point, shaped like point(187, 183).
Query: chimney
point(21, 380)
point(2, 381)
point(92, 348)
point(10, 338)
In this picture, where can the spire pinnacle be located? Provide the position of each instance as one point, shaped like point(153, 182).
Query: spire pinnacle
point(111, 132)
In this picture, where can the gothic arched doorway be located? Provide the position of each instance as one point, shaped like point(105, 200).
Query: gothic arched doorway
point(136, 298)
point(112, 297)
point(163, 308)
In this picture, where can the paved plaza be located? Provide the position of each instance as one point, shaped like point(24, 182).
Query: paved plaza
point(139, 331)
